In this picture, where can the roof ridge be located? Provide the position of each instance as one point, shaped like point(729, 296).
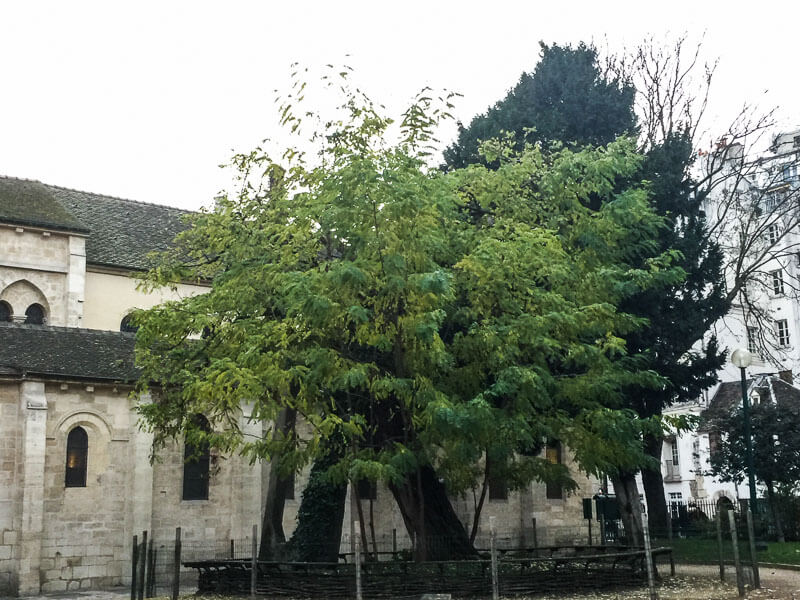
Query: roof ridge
point(62, 328)
point(119, 198)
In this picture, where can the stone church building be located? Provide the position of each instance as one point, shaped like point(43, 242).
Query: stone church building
point(76, 482)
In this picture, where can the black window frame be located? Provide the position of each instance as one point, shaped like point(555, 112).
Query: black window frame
point(39, 319)
point(77, 459)
point(553, 453)
point(196, 465)
point(6, 307)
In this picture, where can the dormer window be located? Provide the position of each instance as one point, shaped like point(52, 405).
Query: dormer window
point(34, 315)
point(6, 314)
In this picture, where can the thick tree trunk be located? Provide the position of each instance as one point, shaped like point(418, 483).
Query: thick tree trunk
point(630, 508)
point(653, 484)
point(430, 519)
point(319, 518)
point(272, 535)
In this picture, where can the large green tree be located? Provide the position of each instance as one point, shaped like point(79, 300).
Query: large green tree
point(413, 339)
point(567, 98)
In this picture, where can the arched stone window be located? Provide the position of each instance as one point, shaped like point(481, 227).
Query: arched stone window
point(6, 314)
point(196, 463)
point(77, 453)
point(127, 326)
point(35, 315)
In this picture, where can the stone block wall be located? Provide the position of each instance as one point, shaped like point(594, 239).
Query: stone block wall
point(10, 491)
point(43, 267)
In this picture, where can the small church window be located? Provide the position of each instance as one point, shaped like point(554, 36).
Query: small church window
point(552, 453)
point(127, 326)
point(77, 451)
point(196, 462)
point(5, 311)
point(34, 315)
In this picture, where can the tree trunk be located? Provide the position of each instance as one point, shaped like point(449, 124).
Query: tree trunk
point(272, 535)
point(653, 484)
point(630, 508)
point(319, 518)
point(776, 517)
point(430, 519)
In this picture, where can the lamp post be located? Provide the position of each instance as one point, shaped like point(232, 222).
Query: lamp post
point(742, 358)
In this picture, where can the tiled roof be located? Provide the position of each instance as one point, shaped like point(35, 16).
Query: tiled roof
point(30, 203)
point(66, 352)
point(729, 397)
point(121, 232)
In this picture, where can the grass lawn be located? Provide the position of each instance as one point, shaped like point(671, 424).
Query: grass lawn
point(704, 550)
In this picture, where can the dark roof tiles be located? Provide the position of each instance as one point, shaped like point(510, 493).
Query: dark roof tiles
point(33, 204)
point(121, 232)
point(66, 352)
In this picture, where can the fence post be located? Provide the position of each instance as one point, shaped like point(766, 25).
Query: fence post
point(358, 559)
point(753, 556)
point(739, 575)
point(233, 553)
point(254, 562)
point(535, 538)
point(394, 542)
point(603, 528)
point(493, 552)
point(134, 560)
point(151, 563)
point(718, 519)
point(176, 568)
point(648, 557)
point(142, 566)
point(589, 521)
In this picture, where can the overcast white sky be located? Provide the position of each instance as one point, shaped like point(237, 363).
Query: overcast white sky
point(144, 99)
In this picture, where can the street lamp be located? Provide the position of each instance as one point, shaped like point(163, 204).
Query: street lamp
point(742, 358)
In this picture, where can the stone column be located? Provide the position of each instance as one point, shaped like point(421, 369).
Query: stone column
point(34, 431)
point(140, 494)
point(76, 280)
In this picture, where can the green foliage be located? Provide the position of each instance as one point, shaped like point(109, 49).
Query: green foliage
point(412, 317)
point(568, 98)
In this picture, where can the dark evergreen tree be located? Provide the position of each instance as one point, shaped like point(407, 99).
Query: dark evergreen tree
point(680, 315)
point(566, 98)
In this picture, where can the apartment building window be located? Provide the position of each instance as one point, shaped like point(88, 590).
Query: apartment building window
point(675, 500)
point(782, 332)
point(675, 456)
point(752, 341)
point(790, 172)
point(773, 232)
point(777, 282)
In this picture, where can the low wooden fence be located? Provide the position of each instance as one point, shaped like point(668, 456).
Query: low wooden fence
point(550, 569)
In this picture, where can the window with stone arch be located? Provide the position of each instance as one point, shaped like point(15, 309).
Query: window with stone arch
point(6, 313)
point(196, 464)
point(77, 458)
point(127, 326)
point(35, 314)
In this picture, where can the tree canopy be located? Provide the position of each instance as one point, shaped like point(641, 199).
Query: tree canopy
point(417, 321)
point(567, 98)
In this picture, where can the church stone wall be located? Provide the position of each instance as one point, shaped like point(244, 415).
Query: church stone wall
point(44, 267)
point(83, 537)
point(110, 297)
point(10, 491)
